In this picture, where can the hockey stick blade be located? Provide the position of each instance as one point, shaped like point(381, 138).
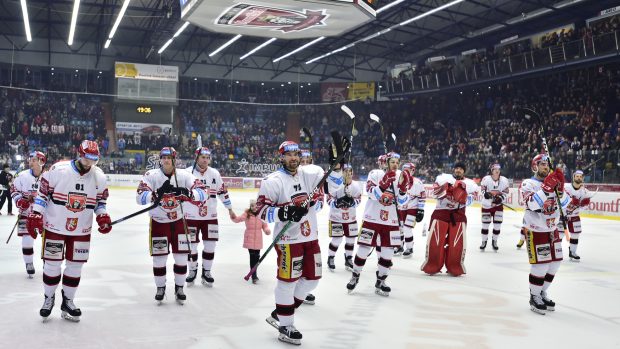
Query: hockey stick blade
point(375, 118)
point(337, 142)
point(394, 138)
point(347, 111)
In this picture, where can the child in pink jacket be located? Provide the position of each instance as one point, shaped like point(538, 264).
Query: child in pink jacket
point(253, 237)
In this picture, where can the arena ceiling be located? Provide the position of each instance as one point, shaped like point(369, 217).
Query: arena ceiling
point(148, 24)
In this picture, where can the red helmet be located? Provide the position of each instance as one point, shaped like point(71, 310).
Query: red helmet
point(382, 160)
point(288, 146)
point(202, 151)
point(538, 158)
point(391, 155)
point(494, 166)
point(168, 151)
point(89, 150)
point(42, 158)
point(409, 166)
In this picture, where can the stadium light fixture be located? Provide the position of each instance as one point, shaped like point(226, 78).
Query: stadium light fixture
point(117, 22)
point(299, 49)
point(165, 46)
point(26, 20)
point(226, 44)
point(428, 13)
point(179, 31)
point(257, 48)
point(391, 4)
point(74, 15)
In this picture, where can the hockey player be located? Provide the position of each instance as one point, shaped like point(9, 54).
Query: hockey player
point(544, 244)
point(343, 218)
point(23, 192)
point(171, 187)
point(62, 213)
point(306, 157)
point(446, 243)
point(280, 199)
point(495, 190)
point(579, 197)
point(202, 216)
point(413, 211)
point(385, 191)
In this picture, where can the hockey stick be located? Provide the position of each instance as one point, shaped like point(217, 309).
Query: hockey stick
point(337, 139)
point(185, 228)
point(348, 111)
point(509, 207)
point(17, 221)
point(155, 204)
point(528, 114)
point(376, 119)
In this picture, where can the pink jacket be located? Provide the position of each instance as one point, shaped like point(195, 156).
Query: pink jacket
point(252, 238)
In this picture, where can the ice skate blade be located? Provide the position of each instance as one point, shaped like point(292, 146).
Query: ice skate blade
point(30, 276)
point(206, 283)
point(309, 302)
point(348, 269)
point(45, 319)
point(575, 260)
point(349, 291)
point(382, 293)
point(537, 311)
point(332, 270)
point(68, 317)
point(273, 322)
point(285, 339)
point(408, 256)
point(159, 303)
point(550, 308)
point(180, 302)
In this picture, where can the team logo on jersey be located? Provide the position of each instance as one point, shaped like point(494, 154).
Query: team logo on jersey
point(172, 215)
point(76, 202)
point(71, 224)
point(345, 216)
point(284, 20)
point(305, 228)
point(203, 210)
point(383, 214)
point(169, 202)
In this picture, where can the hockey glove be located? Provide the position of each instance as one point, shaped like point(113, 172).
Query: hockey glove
point(497, 200)
point(104, 222)
point(34, 224)
point(404, 182)
point(292, 213)
point(164, 189)
point(585, 202)
point(23, 204)
point(488, 195)
point(345, 202)
point(182, 193)
point(419, 216)
point(559, 175)
point(458, 192)
point(388, 178)
point(550, 184)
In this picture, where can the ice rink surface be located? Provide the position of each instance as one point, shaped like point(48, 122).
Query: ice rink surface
point(486, 308)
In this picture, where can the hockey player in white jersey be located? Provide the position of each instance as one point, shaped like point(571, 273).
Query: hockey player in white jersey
point(202, 217)
point(446, 242)
point(23, 192)
point(62, 213)
point(343, 218)
point(411, 212)
point(385, 191)
point(280, 199)
point(495, 189)
point(171, 187)
point(544, 244)
point(579, 198)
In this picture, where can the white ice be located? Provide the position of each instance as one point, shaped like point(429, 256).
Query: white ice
point(486, 308)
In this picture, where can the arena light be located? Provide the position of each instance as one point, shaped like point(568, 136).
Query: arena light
point(226, 44)
point(117, 23)
point(26, 20)
point(257, 48)
point(165, 46)
point(428, 13)
point(74, 15)
point(299, 49)
point(389, 5)
point(181, 29)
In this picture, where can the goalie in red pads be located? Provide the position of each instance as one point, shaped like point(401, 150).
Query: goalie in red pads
point(446, 240)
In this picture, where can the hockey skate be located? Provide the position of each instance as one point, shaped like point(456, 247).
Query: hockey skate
point(380, 287)
point(573, 256)
point(520, 243)
point(348, 264)
point(548, 302)
point(483, 246)
point(47, 307)
point(408, 253)
point(179, 294)
point(289, 334)
point(330, 263)
point(273, 320)
point(310, 298)
point(353, 282)
point(207, 279)
point(69, 310)
point(255, 279)
point(494, 245)
point(160, 294)
point(30, 270)
point(398, 250)
point(537, 305)
point(191, 276)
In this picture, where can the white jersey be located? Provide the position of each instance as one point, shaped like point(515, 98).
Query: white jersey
point(417, 196)
point(345, 215)
point(168, 210)
point(25, 185)
point(534, 198)
point(446, 202)
point(214, 186)
point(375, 212)
point(281, 189)
point(579, 194)
point(499, 187)
point(67, 199)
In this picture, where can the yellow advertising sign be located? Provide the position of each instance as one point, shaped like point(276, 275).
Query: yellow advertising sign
point(361, 91)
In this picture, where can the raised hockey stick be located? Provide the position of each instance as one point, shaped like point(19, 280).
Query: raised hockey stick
point(376, 119)
point(532, 114)
point(349, 112)
point(17, 220)
point(337, 139)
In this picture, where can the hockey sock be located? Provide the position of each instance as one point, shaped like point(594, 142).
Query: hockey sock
point(180, 268)
point(333, 246)
point(159, 270)
point(71, 278)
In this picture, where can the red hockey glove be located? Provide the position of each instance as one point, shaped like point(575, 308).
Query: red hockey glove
point(559, 176)
point(23, 204)
point(550, 184)
point(458, 192)
point(34, 224)
point(388, 178)
point(405, 182)
point(104, 222)
point(585, 202)
point(497, 199)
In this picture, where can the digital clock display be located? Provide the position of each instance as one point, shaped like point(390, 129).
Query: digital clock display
point(144, 110)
